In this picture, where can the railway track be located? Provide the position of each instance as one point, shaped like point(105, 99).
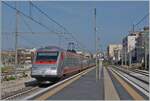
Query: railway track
point(19, 93)
point(144, 71)
point(51, 90)
point(29, 86)
point(139, 84)
point(132, 73)
point(141, 72)
point(37, 89)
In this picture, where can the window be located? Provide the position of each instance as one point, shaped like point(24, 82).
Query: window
point(47, 56)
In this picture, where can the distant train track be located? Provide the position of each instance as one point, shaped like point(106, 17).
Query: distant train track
point(141, 72)
point(139, 84)
point(130, 72)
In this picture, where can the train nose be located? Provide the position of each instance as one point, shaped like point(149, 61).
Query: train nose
point(51, 71)
point(44, 70)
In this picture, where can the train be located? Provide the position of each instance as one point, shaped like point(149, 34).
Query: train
point(51, 63)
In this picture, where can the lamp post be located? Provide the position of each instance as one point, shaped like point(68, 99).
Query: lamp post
point(95, 30)
point(130, 56)
point(125, 56)
point(145, 49)
point(16, 39)
point(122, 57)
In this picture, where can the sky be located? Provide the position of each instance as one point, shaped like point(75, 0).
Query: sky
point(114, 20)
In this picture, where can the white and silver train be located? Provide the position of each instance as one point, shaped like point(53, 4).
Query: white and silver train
point(51, 63)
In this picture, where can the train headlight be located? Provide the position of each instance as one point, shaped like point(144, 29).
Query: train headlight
point(48, 71)
point(51, 72)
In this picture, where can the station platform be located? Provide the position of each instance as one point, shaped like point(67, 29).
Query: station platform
point(109, 86)
point(88, 88)
point(85, 88)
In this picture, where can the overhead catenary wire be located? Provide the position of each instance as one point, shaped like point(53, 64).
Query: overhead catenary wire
point(21, 33)
point(47, 15)
point(29, 17)
point(41, 24)
point(30, 9)
point(7, 33)
point(31, 42)
point(57, 24)
point(143, 18)
point(8, 38)
point(134, 25)
point(60, 25)
point(28, 26)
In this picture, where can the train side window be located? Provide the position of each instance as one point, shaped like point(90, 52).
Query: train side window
point(71, 61)
point(64, 63)
point(68, 61)
point(75, 62)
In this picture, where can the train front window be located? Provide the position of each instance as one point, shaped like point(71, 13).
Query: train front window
point(47, 56)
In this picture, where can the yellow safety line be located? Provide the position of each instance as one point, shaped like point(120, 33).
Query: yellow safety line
point(60, 87)
point(110, 91)
point(128, 88)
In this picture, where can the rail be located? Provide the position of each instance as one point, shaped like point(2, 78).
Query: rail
point(132, 80)
point(131, 74)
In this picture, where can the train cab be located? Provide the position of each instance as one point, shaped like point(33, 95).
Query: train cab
point(45, 64)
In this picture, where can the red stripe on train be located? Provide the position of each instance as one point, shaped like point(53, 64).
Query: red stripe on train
point(45, 62)
point(70, 70)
